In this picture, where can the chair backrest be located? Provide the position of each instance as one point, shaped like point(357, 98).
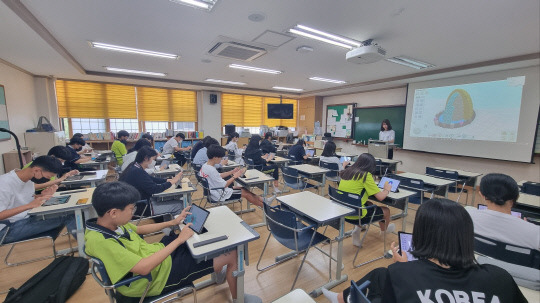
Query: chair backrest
point(280, 222)
point(100, 268)
point(290, 175)
point(231, 155)
point(294, 160)
point(531, 188)
point(342, 197)
point(442, 173)
point(333, 167)
point(251, 164)
point(356, 294)
point(206, 188)
point(408, 182)
point(507, 252)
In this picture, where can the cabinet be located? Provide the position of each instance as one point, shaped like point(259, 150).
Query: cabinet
point(11, 159)
point(40, 142)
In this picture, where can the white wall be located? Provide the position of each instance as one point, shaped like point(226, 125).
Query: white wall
point(21, 105)
point(416, 162)
point(209, 115)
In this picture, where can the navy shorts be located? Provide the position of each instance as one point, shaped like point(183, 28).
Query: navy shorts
point(365, 220)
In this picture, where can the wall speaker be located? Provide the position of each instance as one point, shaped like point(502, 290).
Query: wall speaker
point(213, 98)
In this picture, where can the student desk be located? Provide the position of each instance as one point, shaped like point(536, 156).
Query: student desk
point(170, 172)
point(390, 163)
point(185, 191)
point(470, 177)
point(321, 211)
point(528, 205)
point(280, 161)
point(230, 166)
point(102, 152)
point(441, 185)
point(223, 221)
point(342, 154)
point(398, 200)
point(94, 164)
point(93, 180)
point(312, 172)
point(261, 179)
point(162, 158)
point(71, 206)
point(295, 296)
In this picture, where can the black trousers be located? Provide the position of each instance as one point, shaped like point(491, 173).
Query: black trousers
point(377, 277)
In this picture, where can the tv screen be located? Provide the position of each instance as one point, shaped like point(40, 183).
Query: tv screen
point(280, 111)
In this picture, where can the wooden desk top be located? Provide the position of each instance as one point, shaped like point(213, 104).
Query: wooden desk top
point(280, 160)
point(70, 205)
point(310, 169)
point(530, 200)
point(342, 154)
point(427, 179)
point(315, 207)
point(187, 187)
point(173, 168)
point(461, 173)
point(253, 173)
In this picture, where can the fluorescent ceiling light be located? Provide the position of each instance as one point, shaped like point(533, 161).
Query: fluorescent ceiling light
point(204, 4)
point(288, 88)
point(131, 71)
point(410, 62)
point(124, 49)
point(225, 82)
point(327, 80)
point(255, 69)
point(316, 34)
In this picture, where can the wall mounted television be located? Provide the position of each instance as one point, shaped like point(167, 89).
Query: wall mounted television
point(280, 111)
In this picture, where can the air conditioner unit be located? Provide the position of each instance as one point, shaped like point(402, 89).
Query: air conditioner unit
point(238, 51)
point(366, 54)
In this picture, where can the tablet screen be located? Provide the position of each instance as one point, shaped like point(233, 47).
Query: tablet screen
point(57, 200)
point(310, 152)
point(393, 182)
point(343, 159)
point(405, 244)
point(197, 217)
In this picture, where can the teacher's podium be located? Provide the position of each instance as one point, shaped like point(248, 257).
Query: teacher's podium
point(379, 149)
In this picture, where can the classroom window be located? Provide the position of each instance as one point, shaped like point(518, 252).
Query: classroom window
point(156, 126)
point(85, 126)
point(129, 125)
point(184, 126)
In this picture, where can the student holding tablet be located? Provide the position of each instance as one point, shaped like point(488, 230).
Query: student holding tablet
point(446, 271)
point(253, 151)
point(232, 146)
point(358, 179)
point(500, 192)
point(118, 243)
point(329, 156)
point(216, 180)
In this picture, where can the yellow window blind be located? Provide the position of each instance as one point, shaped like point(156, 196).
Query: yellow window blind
point(253, 111)
point(232, 109)
point(95, 100)
point(280, 122)
point(160, 104)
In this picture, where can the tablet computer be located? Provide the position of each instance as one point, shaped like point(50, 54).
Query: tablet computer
point(310, 152)
point(405, 244)
point(393, 182)
point(56, 200)
point(513, 213)
point(343, 159)
point(197, 217)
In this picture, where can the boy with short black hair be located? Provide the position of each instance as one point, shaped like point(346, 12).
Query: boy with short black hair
point(17, 198)
point(174, 147)
point(119, 146)
point(117, 243)
point(75, 144)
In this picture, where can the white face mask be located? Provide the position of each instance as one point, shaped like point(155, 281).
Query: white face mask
point(152, 164)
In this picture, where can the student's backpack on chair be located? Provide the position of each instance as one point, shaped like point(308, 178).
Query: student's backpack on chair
point(54, 284)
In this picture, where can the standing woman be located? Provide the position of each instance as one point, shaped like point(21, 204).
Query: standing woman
point(232, 146)
point(387, 134)
point(253, 151)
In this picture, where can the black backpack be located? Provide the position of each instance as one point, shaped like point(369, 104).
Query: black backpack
point(54, 284)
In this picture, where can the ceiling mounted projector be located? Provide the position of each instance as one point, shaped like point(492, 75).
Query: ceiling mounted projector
point(366, 54)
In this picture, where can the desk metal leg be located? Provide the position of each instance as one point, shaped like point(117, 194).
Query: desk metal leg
point(265, 192)
point(80, 232)
point(239, 274)
point(339, 277)
point(323, 184)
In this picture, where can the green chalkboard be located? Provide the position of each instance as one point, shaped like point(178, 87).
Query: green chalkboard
point(370, 119)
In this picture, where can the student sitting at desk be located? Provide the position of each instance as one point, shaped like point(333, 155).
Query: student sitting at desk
point(500, 192)
point(132, 153)
point(17, 198)
point(147, 185)
point(63, 154)
point(358, 179)
point(198, 146)
point(202, 156)
point(232, 146)
point(266, 145)
point(446, 271)
point(298, 150)
point(118, 244)
point(119, 146)
point(329, 155)
point(215, 179)
point(254, 152)
point(173, 147)
point(86, 148)
point(75, 144)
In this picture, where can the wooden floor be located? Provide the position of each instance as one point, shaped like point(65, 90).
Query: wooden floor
point(268, 285)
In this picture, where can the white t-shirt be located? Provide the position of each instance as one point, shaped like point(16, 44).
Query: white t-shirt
point(387, 135)
point(233, 146)
point(168, 148)
point(215, 180)
point(14, 193)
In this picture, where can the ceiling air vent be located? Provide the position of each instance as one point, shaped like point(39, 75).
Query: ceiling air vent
point(238, 51)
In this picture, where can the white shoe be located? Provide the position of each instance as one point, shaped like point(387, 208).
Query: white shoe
point(269, 200)
point(250, 299)
point(391, 228)
point(220, 277)
point(277, 190)
point(356, 236)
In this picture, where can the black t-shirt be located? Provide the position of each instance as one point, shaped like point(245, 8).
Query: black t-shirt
point(267, 147)
point(424, 281)
point(256, 155)
point(298, 151)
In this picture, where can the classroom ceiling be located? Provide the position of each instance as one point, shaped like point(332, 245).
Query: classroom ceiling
point(50, 38)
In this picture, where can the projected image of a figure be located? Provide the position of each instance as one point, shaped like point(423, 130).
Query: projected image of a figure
point(458, 111)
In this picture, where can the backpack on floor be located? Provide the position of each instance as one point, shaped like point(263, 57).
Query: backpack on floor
point(54, 284)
